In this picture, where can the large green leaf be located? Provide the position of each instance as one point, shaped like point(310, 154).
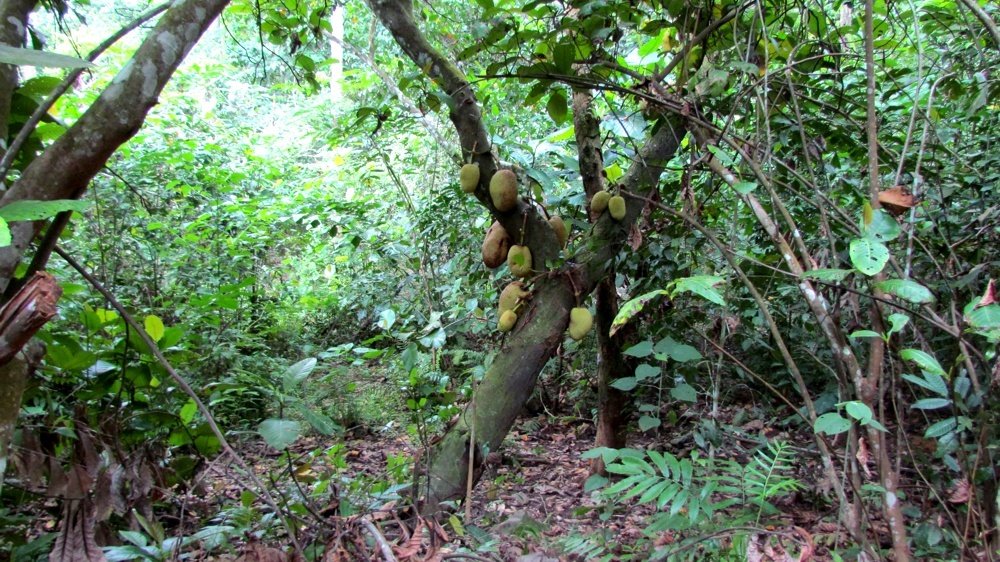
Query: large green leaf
point(701, 285)
point(154, 327)
point(828, 275)
point(279, 433)
point(868, 256)
point(924, 360)
point(906, 289)
point(831, 423)
point(32, 210)
point(633, 307)
point(31, 57)
point(298, 372)
point(680, 352)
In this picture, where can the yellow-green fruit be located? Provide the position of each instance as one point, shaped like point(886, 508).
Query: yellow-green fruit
point(503, 190)
point(507, 321)
point(495, 246)
point(580, 322)
point(559, 227)
point(469, 177)
point(519, 261)
point(511, 294)
point(600, 201)
point(616, 206)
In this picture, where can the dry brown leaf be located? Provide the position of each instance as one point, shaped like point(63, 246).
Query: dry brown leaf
point(257, 552)
point(412, 546)
point(989, 297)
point(896, 200)
point(864, 457)
point(76, 537)
point(960, 492)
point(809, 548)
point(635, 237)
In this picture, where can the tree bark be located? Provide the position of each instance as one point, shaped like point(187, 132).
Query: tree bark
point(20, 319)
point(65, 168)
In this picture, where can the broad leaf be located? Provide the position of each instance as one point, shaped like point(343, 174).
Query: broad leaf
point(680, 352)
point(868, 256)
point(923, 360)
point(648, 422)
point(907, 290)
point(646, 371)
point(701, 285)
point(279, 433)
point(831, 424)
point(4, 233)
point(625, 383)
point(684, 392)
point(298, 372)
point(931, 404)
point(31, 57)
point(859, 411)
point(32, 210)
point(828, 275)
point(641, 349)
point(154, 327)
point(631, 308)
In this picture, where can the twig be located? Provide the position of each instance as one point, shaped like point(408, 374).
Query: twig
point(184, 386)
point(383, 545)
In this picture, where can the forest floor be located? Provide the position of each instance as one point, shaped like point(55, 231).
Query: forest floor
point(531, 505)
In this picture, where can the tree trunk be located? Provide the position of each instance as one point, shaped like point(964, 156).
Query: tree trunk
point(20, 319)
point(611, 364)
point(67, 166)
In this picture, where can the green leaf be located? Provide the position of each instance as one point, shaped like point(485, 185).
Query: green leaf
point(631, 308)
point(318, 421)
point(646, 371)
point(931, 404)
point(31, 57)
point(859, 411)
point(923, 360)
point(865, 334)
point(985, 317)
point(907, 290)
point(625, 383)
point(932, 382)
point(701, 285)
point(154, 327)
point(4, 233)
point(279, 433)
point(298, 372)
point(595, 482)
point(680, 352)
point(684, 392)
point(940, 428)
point(557, 107)
point(883, 227)
point(641, 349)
point(386, 319)
point(32, 210)
point(648, 422)
point(828, 275)
point(831, 423)
point(897, 322)
point(188, 410)
point(744, 187)
point(868, 256)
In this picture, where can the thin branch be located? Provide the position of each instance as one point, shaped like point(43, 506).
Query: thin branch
point(383, 545)
point(984, 18)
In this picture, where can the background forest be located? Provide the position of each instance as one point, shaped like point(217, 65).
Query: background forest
point(764, 325)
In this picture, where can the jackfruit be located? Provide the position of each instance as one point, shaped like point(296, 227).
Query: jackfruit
point(559, 227)
point(511, 294)
point(600, 201)
point(519, 260)
point(580, 322)
point(503, 190)
point(507, 321)
point(495, 246)
point(616, 206)
point(469, 177)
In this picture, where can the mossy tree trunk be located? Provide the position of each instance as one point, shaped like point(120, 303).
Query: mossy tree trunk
point(541, 328)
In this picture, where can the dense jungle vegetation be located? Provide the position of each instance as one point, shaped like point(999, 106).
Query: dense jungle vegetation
point(499, 280)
